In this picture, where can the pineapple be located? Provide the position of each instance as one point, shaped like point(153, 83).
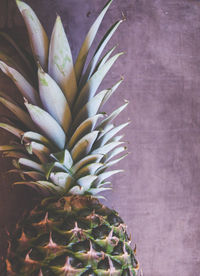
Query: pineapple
point(65, 146)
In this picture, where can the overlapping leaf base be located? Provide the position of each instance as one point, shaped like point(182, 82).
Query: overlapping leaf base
point(75, 235)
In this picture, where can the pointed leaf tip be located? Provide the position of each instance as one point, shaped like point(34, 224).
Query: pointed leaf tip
point(37, 35)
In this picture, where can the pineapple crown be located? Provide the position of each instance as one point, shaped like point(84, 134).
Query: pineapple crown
point(65, 144)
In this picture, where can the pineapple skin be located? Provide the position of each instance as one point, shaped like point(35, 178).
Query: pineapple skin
point(73, 235)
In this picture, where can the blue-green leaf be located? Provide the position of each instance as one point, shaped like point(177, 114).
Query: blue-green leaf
point(60, 66)
point(48, 125)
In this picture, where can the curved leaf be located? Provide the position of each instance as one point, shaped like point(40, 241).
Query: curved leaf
point(84, 128)
point(80, 62)
point(41, 151)
point(60, 66)
point(16, 131)
point(98, 52)
point(31, 164)
point(22, 84)
point(112, 116)
point(18, 112)
point(91, 86)
point(90, 109)
point(109, 135)
point(54, 100)
point(86, 181)
point(37, 35)
point(83, 146)
point(62, 179)
point(106, 148)
point(86, 160)
point(63, 157)
point(47, 125)
point(34, 136)
point(89, 169)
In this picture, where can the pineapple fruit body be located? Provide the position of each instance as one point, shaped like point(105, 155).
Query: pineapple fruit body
point(65, 148)
point(73, 235)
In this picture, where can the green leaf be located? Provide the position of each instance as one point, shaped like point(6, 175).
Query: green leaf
point(86, 160)
point(86, 181)
point(63, 157)
point(41, 151)
point(62, 179)
point(80, 62)
point(27, 90)
point(11, 147)
point(98, 52)
point(48, 125)
point(83, 146)
point(85, 127)
point(53, 100)
point(113, 153)
point(34, 136)
point(61, 67)
point(109, 135)
point(105, 175)
point(89, 169)
point(18, 112)
point(91, 86)
point(31, 164)
point(16, 131)
point(90, 109)
point(112, 116)
point(106, 148)
point(37, 35)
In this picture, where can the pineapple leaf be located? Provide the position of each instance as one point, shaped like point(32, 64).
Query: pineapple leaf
point(62, 179)
point(98, 52)
point(103, 60)
point(86, 181)
point(42, 185)
point(113, 162)
point(89, 169)
point(85, 127)
point(95, 191)
point(22, 84)
point(41, 151)
point(37, 35)
point(106, 148)
point(80, 62)
point(91, 108)
point(104, 130)
point(111, 91)
point(60, 66)
point(83, 146)
point(34, 136)
point(11, 147)
point(105, 175)
point(109, 135)
point(15, 131)
point(18, 112)
point(47, 124)
point(113, 153)
point(91, 86)
point(63, 157)
point(34, 175)
point(54, 100)
point(112, 116)
point(31, 164)
point(86, 160)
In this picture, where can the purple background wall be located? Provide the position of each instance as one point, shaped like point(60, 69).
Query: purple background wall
point(159, 194)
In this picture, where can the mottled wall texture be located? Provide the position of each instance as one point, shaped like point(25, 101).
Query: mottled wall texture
point(158, 195)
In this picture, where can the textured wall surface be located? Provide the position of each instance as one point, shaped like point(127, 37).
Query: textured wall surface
point(159, 194)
